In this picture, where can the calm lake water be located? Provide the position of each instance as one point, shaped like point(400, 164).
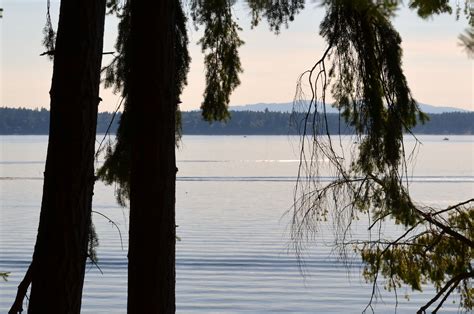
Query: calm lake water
point(235, 254)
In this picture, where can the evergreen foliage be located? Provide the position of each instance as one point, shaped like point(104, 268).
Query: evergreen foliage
point(467, 39)
point(277, 13)
point(427, 8)
point(49, 35)
point(220, 45)
point(363, 60)
point(371, 91)
point(116, 169)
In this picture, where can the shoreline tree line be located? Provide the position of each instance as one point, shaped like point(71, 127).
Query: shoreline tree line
point(22, 121)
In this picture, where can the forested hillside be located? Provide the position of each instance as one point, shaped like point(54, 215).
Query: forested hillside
point(27, 121)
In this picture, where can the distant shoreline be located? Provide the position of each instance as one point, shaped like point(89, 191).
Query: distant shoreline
point(21, 121)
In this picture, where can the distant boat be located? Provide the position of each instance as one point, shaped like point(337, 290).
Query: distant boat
point(445, 139)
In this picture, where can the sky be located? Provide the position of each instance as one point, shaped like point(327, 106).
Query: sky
point(438, 71)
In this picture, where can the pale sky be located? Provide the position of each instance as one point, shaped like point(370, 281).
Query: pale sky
point(438, 71)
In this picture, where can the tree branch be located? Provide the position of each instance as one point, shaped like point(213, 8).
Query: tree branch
point(446, 229)
point(431, 219)
point(453, 207)
point(51, 53)
point(453, 280)
point(17, 306)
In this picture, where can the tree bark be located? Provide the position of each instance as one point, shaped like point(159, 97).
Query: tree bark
point(61, 245)
point(152, 104)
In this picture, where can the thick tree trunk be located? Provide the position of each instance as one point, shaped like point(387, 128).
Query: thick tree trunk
point(152, 103)
point(61, 246)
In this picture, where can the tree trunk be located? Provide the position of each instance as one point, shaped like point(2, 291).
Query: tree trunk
point(152, 103)
point(61, 245)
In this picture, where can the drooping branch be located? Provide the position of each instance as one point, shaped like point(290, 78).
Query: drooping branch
point(220, 45)
point(431, 217)
point(370, 90)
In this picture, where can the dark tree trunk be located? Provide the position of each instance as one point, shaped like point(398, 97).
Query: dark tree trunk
point(61, 245)
point(152, 103)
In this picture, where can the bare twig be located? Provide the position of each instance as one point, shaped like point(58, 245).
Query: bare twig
point(99, 149)
point(113, 223)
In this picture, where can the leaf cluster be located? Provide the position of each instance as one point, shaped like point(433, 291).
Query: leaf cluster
point(428, 8)
point(427, 255)
point(276, 12)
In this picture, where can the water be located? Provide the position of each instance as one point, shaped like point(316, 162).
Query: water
point(235, 254)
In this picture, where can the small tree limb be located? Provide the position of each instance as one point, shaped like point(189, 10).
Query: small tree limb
point(455, 280)
point(453, 207)
point(51, 53)
point(445, 228)
point(17, 306)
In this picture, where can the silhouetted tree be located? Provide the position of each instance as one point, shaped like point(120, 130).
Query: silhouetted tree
point(143, 160)
point(363, 60)
point(57, 269)
point(152, 105)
